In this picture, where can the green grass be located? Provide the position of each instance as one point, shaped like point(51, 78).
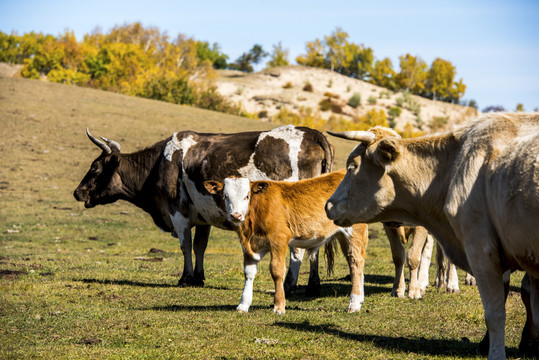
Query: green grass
point(79, 284)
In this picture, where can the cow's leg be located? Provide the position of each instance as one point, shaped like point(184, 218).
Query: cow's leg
point(414, 257)
point(182, 228)
point(292, 276)
point(424, 266)
point(529, 343)
point(395, 237)
point(249, 272)
point(277, 270)
point(441, 267)
point(314, 288)
point(354, 247)
point(202, 233)
point(452, 279)
point(490, 282)
point(484, 344)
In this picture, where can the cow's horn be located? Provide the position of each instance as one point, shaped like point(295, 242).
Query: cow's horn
point(113, 144)
point(363, 136)
point(99, 143)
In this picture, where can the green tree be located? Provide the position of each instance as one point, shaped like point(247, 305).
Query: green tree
point(279, 56)
point(213, 54)
point(245, 61)
point(315, 55)
point(519, 107)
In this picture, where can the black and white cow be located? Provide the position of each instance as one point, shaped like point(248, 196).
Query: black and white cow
point(167, 180)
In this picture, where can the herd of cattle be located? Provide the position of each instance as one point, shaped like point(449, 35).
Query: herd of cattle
point(475, 189)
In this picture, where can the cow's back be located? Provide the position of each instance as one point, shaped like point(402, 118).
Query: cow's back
point(285, 153)
point(499, 183)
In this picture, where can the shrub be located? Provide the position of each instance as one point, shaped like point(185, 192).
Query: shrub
point(336, 108)
point(262, 114)
point(288, 85)
point(308, 87)
point(331, 95)
point(385, 94)
point(372, 100)
point(355, 100)
point(325, 105)
point(394, 112)
point(438, 123)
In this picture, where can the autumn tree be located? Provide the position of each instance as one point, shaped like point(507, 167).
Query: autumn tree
point(440, 84)
point(336, 53)
point(279, 56)
point(383, 74)
point(412, 75)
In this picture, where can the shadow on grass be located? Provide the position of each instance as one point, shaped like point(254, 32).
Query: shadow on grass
point(332, 289)
point(124, 282)
point(430, 347)
point(228, 308)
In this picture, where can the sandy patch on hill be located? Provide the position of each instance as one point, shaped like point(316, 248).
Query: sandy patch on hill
point(265, 91)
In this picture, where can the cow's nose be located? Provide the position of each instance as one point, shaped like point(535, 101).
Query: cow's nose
point(237, 216)
point(329, 208)
point(76, 195)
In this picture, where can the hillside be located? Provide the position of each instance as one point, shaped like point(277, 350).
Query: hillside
point(268, 91)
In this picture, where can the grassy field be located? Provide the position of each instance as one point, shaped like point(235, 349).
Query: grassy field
point(86, 284)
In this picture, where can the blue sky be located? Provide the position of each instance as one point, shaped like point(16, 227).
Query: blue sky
point(494, 44)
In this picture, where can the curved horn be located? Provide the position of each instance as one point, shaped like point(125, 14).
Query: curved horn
point(115, 146)
point(363, 136)
point(99, 143)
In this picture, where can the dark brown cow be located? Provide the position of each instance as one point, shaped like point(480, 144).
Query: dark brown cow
point(167, 179)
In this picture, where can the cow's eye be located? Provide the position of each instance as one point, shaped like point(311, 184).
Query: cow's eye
point(351, 167)
point(247, 197)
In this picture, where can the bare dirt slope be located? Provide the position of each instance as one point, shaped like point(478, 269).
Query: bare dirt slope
point(271, 89)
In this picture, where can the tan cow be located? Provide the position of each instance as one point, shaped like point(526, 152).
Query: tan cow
point(270, 215)
point(476, 189)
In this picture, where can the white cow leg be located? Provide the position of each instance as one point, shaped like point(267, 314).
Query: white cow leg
point(292, 276)
point(452, 279)
point(529, 344)
point(249, 271)
point(182, 228)
point(202, 233)
point(425, 264)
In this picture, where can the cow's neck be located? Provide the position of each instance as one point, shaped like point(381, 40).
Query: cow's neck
point(136, 170)
point(426, 174)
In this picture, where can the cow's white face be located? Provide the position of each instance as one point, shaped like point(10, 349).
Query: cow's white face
point(367, 189)
point(236, 193)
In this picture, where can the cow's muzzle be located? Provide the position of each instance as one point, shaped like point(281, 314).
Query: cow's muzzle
point(236, 217)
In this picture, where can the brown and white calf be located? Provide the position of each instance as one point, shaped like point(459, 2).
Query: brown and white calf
point(270, 215)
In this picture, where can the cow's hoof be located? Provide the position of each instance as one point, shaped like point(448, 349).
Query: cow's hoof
point(397, 294)
point(313, 290)
point(278, 311)
point(243, 309)
point(529, 349)
point(190, 281)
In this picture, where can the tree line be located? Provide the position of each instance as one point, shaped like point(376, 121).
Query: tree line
point(143, 61)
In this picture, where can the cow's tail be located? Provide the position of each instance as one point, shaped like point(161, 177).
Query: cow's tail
point(329, 154)
point(329, 251)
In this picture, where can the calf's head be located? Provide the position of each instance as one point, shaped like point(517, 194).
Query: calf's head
point(102, 183)
point(367, 188)
point(236, 193)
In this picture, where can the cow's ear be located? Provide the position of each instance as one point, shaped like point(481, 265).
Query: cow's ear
point(386, 152)
point(260, 187)
point(213, 187)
